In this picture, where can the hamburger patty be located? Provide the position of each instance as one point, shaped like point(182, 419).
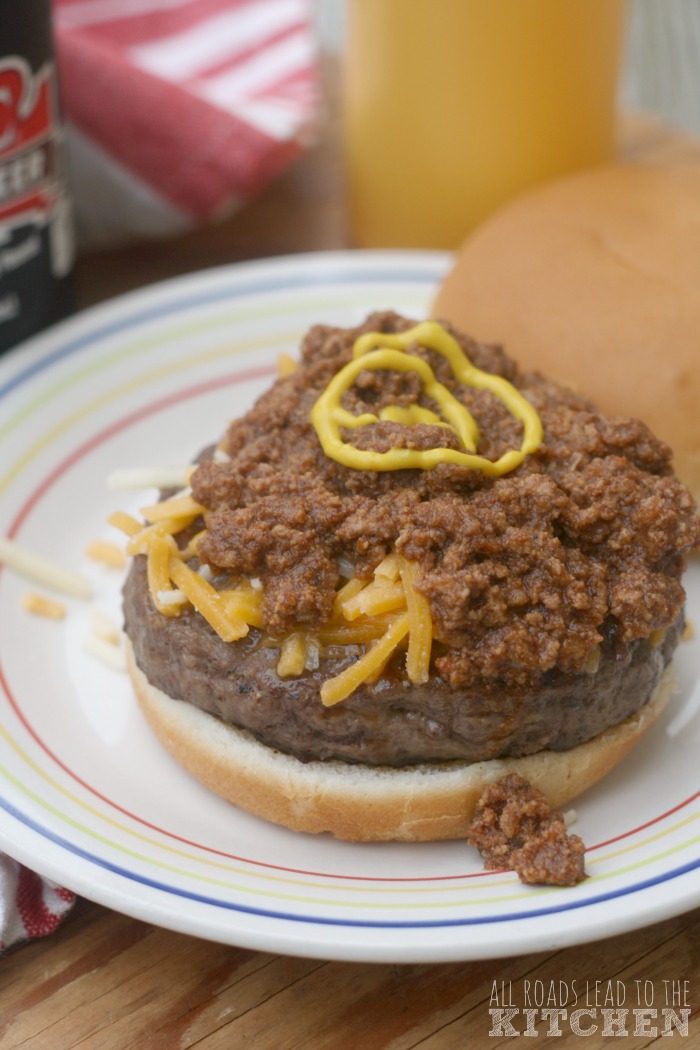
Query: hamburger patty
point(393, 723)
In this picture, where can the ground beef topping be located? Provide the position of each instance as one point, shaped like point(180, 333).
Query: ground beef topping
point(525, 574)
point(514, 827)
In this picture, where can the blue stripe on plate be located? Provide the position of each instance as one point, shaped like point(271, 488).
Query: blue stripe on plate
point(270, 913)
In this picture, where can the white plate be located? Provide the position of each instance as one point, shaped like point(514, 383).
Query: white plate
point(88, 798)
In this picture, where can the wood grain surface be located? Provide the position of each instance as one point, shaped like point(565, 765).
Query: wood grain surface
point(105, 981)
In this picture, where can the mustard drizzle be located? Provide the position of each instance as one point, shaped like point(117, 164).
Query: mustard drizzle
point(386, 352)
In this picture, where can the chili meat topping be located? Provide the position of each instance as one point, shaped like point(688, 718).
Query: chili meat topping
point(524, 574)
point(514, 827)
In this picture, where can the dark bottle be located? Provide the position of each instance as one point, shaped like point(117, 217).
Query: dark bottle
point(37, 247)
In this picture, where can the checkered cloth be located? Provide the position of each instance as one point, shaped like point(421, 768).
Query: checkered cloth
point(179, 111)
point(29, 905)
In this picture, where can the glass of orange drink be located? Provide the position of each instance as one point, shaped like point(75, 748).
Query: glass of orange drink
point(451, 107)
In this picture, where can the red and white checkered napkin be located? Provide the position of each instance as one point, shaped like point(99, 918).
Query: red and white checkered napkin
point(30, 906)
point(179, 111)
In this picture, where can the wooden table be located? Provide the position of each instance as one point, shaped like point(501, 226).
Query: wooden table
point(107, 982)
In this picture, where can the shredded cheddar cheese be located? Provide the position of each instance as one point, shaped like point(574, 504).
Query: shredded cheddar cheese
point(366, 611)
point(353, 633)
point(243, 604)
point(389, 568)
point(206, 600)
point(286, 364)
point(180, 506)
point(150, 477)
point(345, 683)
point(161, 549)
point(140, 542)
point(293, 652)
point(347, 591)
point(42, 570)
point(39, 605)
point(108, 553)
point(172, 597)
point(380, 596)
point(127, 524)
point(382, 614)
point(420, 637)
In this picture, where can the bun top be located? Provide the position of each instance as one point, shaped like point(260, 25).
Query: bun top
point(595, 281)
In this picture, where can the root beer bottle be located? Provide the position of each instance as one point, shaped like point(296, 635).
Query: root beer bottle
point(36, 223)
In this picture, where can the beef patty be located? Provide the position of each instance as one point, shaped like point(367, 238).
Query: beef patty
point(392, 722)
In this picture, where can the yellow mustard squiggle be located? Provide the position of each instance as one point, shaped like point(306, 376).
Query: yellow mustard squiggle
point(379, 351)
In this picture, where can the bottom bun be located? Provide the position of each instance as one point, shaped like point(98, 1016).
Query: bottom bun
point(365, 803)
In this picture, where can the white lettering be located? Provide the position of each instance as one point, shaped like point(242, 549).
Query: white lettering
point(531, 1020)
point(500, 1022)
point(614, 1022)
point(553, 1017)
point(575, 1022)
point(25, 173)
point(642, 1019)
point(672, 1020)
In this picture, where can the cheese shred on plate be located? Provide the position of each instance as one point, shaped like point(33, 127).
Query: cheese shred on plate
point(43, 570)
point(39, 605)
point(384, 614)
point(107, 553)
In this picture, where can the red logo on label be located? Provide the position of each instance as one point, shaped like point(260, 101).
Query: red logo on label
point(27, 148)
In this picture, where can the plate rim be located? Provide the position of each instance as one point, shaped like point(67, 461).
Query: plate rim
point(165, 290)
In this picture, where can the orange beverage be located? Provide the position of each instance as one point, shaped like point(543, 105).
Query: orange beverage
point(450, 107)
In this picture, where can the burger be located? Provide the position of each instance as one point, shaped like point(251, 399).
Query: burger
point(409, 570)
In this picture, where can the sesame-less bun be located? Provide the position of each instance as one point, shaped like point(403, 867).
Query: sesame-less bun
point(594, 281)
point(362, 803)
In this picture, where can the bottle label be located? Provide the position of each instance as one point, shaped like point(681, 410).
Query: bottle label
point(36, 229)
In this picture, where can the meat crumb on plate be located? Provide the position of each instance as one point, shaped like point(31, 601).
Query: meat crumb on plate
point(514, 827)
